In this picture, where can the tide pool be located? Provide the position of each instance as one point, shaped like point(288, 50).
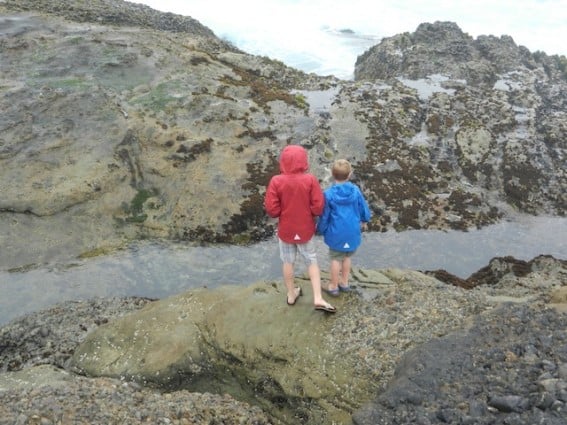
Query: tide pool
point(159, 269)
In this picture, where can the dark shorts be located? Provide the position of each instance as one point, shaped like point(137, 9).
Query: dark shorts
point(339, 255)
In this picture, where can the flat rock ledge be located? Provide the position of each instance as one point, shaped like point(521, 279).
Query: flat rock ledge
point(404, 347)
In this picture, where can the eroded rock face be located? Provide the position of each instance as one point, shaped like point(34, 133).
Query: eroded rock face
point(484, 110)
point(159, 129)
point(112, 134)
point(503, 269)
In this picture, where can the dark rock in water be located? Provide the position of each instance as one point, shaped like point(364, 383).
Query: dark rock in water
point(498, 268)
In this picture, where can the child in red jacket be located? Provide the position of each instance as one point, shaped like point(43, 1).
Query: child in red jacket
point(295, 197)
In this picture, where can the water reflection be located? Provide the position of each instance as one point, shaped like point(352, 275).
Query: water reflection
point(464, 253)
point(158, 270)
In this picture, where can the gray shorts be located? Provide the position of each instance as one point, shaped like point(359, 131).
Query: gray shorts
point(289, 251)
point(339, 255)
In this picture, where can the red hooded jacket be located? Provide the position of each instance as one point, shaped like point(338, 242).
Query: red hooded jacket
point(294, 196)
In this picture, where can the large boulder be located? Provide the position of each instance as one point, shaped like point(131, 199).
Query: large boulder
point(292, 361)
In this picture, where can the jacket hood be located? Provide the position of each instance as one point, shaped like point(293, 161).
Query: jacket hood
point(293, 160)
point(344, 193)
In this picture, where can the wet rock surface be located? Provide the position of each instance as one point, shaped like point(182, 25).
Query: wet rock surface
point(474, 107)
point(506, 267)
point(404, 347)
point(121, 123)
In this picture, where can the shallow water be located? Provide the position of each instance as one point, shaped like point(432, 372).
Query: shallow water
point(160, 269)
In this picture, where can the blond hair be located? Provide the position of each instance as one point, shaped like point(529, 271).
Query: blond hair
point(341, 170)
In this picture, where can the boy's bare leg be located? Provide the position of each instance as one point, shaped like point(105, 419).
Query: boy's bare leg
point(335, 271)
point(346, 270)
point(288, 277)
point(315, 277)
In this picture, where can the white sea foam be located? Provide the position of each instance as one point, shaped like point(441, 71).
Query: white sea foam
point(313, 35)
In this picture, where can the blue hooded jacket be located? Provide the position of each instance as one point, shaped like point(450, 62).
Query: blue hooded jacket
point(345, 209)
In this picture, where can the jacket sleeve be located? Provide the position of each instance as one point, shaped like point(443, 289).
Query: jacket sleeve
point(363, 208)
point(272, 202)
point(323, 222)
point(317, 198)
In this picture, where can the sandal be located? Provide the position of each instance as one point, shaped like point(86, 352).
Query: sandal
point(327, 308)
point(298, 293)
point(333, 292)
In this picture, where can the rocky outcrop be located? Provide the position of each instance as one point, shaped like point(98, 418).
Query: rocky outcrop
point(36, 385)
point(113, 133)
point(488, 374)
point(120, 122)
point(47, 395)
point(119, 13)
point(295, 363)
point(443, 48)
point(508, 267)
point(486, 110)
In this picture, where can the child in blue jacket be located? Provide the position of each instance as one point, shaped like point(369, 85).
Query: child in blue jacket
point(344, 216)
